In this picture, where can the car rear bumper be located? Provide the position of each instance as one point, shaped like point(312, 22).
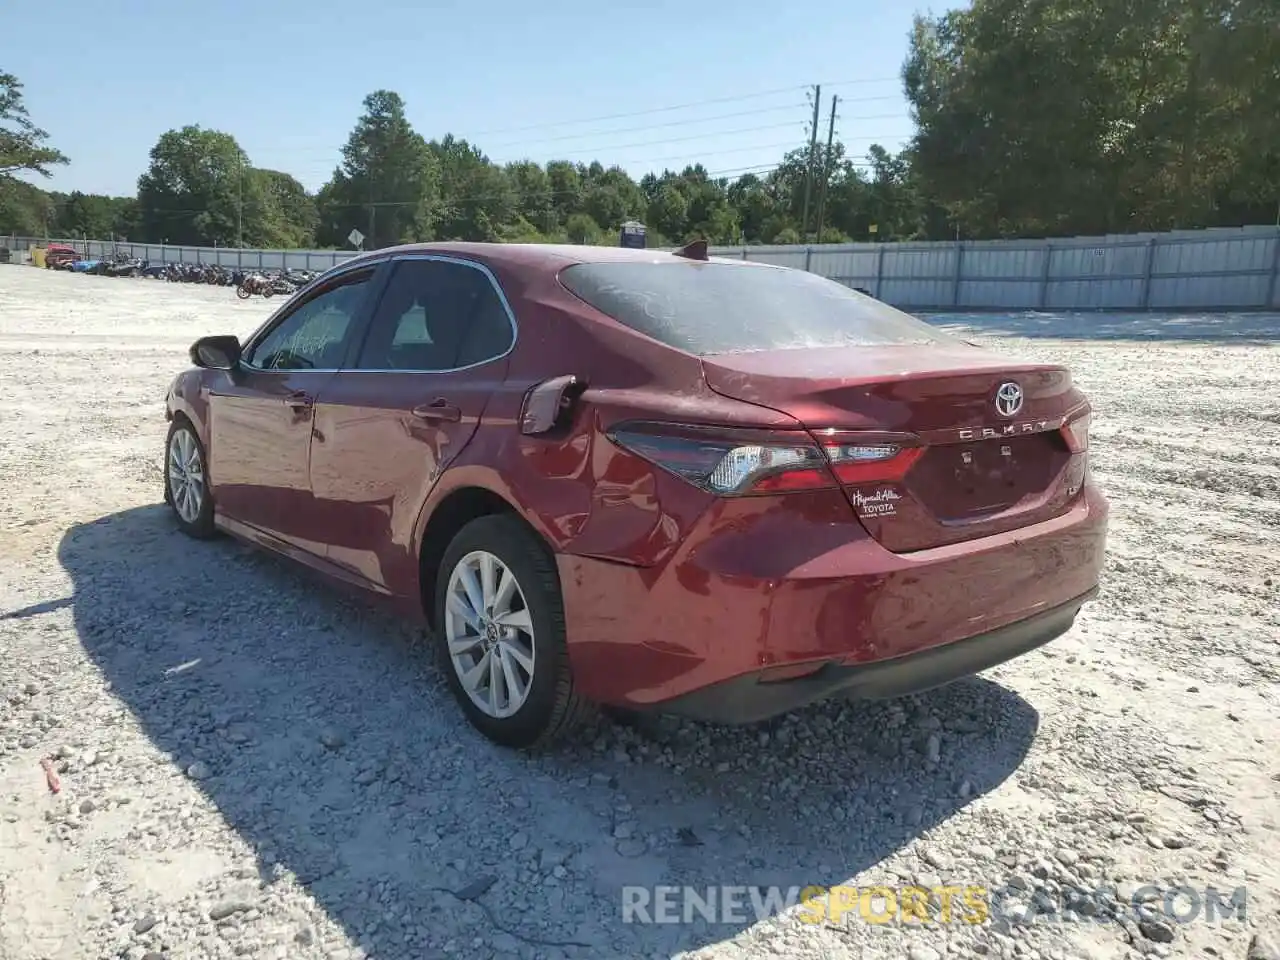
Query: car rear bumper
point(753, 697)
point(761, 613)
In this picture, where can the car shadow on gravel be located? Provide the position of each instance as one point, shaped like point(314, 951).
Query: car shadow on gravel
point(1244, 329)
point(320, 731)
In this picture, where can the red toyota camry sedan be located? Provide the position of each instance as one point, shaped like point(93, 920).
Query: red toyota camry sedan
point(648, 480)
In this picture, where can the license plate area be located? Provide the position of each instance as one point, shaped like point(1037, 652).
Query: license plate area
point(963, 480)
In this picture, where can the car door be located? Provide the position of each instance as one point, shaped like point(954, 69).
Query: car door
point(388, 426)
point(261, 415)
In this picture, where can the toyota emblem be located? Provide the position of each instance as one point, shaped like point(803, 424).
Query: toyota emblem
point(1008, 399)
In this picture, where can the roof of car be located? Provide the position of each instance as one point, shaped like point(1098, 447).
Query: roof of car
point(551, 256)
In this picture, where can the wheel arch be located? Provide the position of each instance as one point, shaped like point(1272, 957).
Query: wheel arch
point(459, 507)
point(185, 400)
point(184, 416)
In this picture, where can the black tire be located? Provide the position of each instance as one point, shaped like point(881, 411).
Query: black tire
point(243, 292)
point(553, 708)
point(201, 526)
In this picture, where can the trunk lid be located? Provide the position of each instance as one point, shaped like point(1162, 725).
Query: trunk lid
point(981, 469)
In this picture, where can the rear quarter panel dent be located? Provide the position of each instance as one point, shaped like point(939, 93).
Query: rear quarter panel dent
point(581, 493)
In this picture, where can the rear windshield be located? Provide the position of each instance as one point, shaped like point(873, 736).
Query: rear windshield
point(710, 308)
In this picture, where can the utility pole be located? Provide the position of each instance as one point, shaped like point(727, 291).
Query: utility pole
point(240, 201)
point(813, 149)
point(826, 165)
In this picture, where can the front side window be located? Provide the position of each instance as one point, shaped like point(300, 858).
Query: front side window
point(436, 315)
point(314, 336)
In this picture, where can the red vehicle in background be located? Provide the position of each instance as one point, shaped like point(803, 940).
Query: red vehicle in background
point(60, 256)
point(650, 480)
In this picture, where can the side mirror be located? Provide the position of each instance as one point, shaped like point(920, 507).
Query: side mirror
point(216, 353)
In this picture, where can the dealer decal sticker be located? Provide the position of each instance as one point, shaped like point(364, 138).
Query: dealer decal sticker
point(882, 503)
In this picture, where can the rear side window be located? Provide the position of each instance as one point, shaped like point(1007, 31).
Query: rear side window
point(709, 308)
point(436, 315)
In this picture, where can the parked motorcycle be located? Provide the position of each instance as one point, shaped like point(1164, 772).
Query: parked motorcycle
point(300, 278)
point(281, 286)
point(121, 265)
point(253, 283)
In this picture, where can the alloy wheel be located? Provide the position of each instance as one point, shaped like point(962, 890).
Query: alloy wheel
point(490, 634)
point(186, 475)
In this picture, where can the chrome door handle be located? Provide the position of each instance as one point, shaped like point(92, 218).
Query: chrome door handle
point(299, 402)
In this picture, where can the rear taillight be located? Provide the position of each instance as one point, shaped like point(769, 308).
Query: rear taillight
point(734, 462)
point(1076, 433)
point(871, 463)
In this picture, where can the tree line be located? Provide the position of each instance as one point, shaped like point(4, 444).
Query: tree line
point(1033, 118)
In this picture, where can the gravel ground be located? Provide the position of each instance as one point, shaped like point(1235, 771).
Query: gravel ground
point(251, 766)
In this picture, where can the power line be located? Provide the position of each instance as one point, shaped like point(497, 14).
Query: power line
point(333, 154)
point(651, 126)
point(701, 155)
point(788, 145)
point(645, 113)
point(603, 152)
point(861, 81)
point(694, 157)
point(682, 106)
point(688, 122)
point(697, 136)
point(607, 148)
point(604, 148)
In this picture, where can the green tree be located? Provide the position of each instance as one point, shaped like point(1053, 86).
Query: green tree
point(610, 196)
point(289, 217)
point(668, 208)
point(755, 204)
point(566, 189)
point(388, 183)
point(23, 146)
point(535, 198)
point(198, 190)
point(1085, 116)
point(93, 215)
point(477, 198)
point(709, 215)
point(580, 228)
point(24, 209)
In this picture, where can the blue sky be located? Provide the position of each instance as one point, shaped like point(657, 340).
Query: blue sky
point(521, 80)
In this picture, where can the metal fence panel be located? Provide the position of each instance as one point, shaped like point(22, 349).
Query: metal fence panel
point(1273, 300)
point(1169, 293)
point(1004, 294)
point(1095, 293)
point(1224, 268)
point(916, 262)
point(1213, 255)
point(853, 263)
point(1019, 262)
point(917, 294)
point(779, 256)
